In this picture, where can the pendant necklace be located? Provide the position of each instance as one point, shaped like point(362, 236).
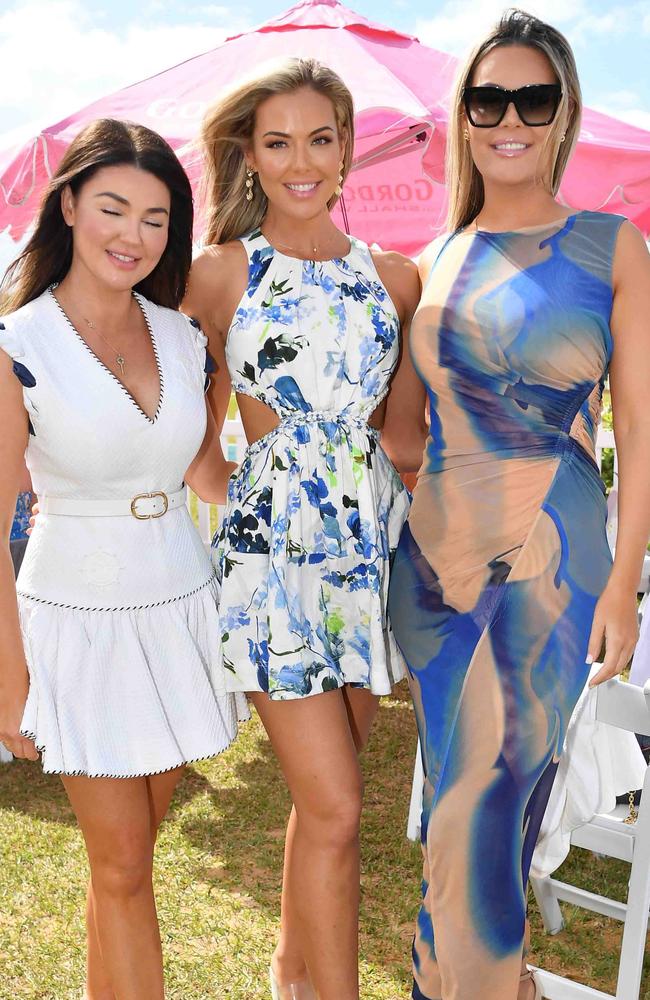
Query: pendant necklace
point(120, 360)
point(285, 246)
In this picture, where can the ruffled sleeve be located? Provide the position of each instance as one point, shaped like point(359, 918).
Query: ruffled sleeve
point(10, 343)
point(207, 362)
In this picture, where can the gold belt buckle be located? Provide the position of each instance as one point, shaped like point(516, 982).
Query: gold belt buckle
point(149, 496)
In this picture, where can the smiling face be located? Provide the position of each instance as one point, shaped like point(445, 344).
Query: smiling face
point(512, 153)
point(120, 224)
point(297, 152)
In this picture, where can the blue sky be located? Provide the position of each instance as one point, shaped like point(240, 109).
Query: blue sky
point(61, 54)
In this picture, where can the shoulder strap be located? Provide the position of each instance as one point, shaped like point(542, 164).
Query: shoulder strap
point(254, 241)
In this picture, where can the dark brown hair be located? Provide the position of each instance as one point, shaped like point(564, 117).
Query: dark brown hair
point(105, 143)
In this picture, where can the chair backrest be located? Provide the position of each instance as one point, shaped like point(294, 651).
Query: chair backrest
point(624, 705)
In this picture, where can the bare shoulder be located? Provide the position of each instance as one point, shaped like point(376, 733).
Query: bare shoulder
point(631, 256)
point(217, 281)
point(429, 256)
point(216, 267)
point(400, 276)
point(631, 241)
point(6, 366)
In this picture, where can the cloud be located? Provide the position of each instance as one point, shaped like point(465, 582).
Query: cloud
point(73, 57)
point(627, 105)
point(634, 116)
point(461, 23)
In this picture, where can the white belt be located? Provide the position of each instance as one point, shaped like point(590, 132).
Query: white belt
point(142, 506)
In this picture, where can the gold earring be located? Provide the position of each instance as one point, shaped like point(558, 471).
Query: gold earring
point(249, 184)
point(338, 190)
point(465, 135)
point(563, 137)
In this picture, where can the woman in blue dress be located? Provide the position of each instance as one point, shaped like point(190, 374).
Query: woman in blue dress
point(306, 324)
point(502, 588)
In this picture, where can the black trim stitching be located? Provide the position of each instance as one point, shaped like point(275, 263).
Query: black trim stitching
point(142, 774)
point(127, 607)
point(161, 379)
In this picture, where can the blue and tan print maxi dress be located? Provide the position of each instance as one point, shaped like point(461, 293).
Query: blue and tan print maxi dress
point(315, 510)
point(498, 571)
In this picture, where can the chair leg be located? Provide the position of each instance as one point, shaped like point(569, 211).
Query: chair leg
point(635, 931)
point(548, 905)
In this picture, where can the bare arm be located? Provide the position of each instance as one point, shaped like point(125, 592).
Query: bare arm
point(14, 678)
point(405, 428)
point(616, 616)
point(208, 474)
point(217, 282)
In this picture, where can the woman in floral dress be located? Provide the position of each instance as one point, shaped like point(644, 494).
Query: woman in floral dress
point(307, 324)
point(19, 528)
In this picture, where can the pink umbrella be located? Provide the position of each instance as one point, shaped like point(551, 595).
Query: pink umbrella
point(395, 195)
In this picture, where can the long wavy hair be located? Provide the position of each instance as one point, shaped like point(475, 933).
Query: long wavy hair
point(464, 182)
point(227, 133)
point(105, 143)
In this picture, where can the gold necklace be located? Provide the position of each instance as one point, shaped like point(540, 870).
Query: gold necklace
point(285, 246)
point(119, 357)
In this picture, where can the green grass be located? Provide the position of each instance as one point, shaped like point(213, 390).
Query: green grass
point(218, 879)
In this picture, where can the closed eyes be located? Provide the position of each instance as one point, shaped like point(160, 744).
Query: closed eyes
point(147, 222)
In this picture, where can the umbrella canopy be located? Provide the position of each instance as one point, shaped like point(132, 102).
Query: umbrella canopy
point(394, 196)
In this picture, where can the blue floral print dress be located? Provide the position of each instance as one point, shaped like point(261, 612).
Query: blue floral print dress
point(21, 517)
point(315, 510)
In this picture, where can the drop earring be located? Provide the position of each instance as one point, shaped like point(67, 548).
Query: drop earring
point(338, 190)
point(249, 184)
point(563, 137)
point(465, 135)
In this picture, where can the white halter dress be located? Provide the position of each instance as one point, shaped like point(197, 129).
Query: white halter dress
point(117, 608)
point(315, 510)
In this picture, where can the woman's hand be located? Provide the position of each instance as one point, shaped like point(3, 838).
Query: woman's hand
point(617, 622)
point(12, 707)
point(32, 520)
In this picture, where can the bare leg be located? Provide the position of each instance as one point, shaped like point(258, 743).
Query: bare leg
point(526, 985)
point(288, 960)
point(316, 741)
point(153, 798)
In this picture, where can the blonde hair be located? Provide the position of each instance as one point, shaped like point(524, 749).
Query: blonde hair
point(464, 182)
point(227, 132)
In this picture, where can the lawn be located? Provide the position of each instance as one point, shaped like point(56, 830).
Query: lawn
point(218, 879)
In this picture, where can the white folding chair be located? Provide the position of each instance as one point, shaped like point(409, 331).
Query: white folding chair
point(627, 707)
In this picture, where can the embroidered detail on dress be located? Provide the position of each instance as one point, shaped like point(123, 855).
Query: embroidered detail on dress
point(101, 568)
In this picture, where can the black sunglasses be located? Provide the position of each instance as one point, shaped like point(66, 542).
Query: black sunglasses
point(536, 104)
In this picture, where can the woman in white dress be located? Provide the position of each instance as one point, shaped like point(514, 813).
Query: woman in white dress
point(308, 326)
point(109, 660)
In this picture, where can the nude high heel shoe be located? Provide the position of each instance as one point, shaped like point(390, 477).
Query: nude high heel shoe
point(292, 991)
